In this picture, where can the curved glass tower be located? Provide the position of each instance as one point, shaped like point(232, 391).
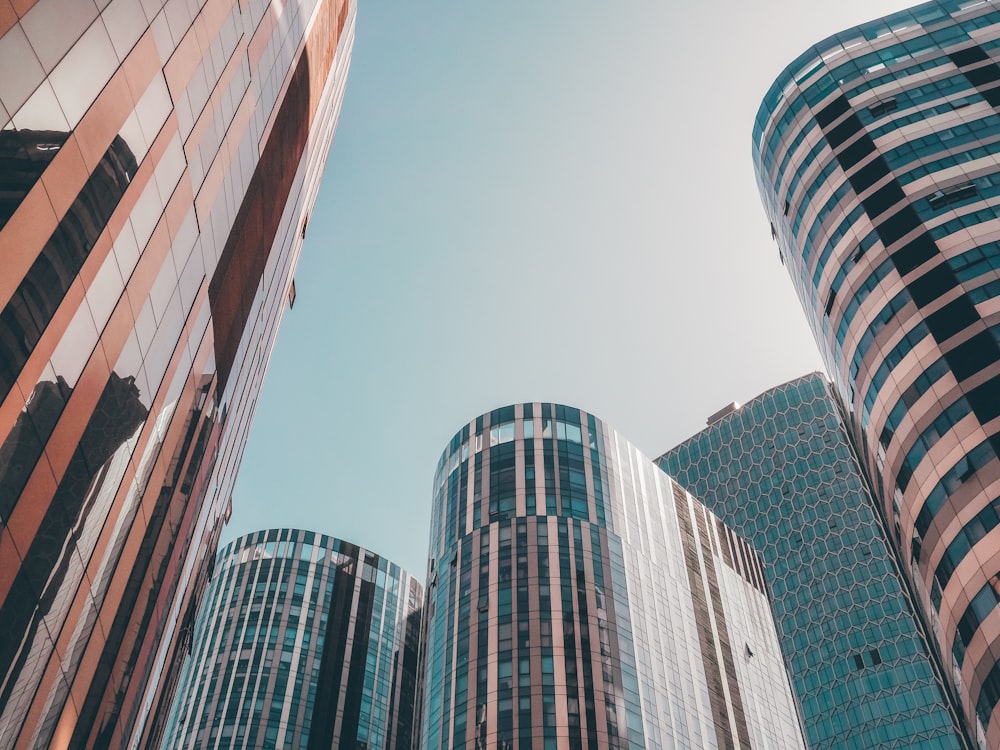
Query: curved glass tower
point(577, 597)
point(877, 158)
point(302, 641)
point(781, 472)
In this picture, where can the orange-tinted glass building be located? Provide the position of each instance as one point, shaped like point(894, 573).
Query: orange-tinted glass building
point(158, 163)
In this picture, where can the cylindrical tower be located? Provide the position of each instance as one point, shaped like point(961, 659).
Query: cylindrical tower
point(578, 598)
point(302, 641)
point(878, 159)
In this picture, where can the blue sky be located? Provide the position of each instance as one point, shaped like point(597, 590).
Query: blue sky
point(547, 201)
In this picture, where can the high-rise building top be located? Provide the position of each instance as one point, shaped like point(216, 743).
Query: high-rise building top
point(577, 597)
point(302, 641)
point(780, 471)
point(877, 159)
point(159, 161)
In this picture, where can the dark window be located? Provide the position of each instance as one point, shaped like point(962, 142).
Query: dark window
point(869, 174)
point(916, 252)
point(883, 199)
point(883, 107)
point(983, 76)
point(968, 56)
point(843, 132)
point(952, 318)
point(893, 227)
point(953, 194)
point(932, 284)
point(829, 302)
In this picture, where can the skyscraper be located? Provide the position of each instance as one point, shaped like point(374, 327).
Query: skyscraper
point(302, 641)
point(578, 598)
point(159, 161)
point(780, 472)
point(876, 156)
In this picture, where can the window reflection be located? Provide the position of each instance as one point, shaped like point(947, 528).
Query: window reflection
point(76, 513)
point(502, 433)
point(25, 442)
point(24, 155)
point(42, 290)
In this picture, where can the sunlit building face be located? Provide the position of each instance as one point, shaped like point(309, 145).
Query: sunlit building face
point(302, 641)
point(578, 597)
point(877, 158)
point(159, 161)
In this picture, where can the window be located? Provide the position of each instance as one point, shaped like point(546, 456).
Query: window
point(570, 432)
point(954, 194)
point(883, 107)
point(501, 433)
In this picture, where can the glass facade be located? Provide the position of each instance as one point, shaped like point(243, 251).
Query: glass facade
point(876, 154)
point(159, 161)
point(781, 472)
point(302, 641)
point(577, 597)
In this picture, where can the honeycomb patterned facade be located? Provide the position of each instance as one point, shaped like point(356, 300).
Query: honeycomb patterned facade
point(781, 472)
point(877, 154)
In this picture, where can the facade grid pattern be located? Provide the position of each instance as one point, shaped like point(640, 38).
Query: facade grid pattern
point(159, 160)
point(781, 472)
point(577, 597)
point(302, 641)
point(878, 159)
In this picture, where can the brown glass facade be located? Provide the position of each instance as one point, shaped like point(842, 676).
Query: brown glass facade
point(878, 159)
point(577, 597)
point(150, 223)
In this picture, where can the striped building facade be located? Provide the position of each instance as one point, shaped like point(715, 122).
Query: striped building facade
point(577, 597)
point(878, 159)
point(302, 641)
point(158, 161)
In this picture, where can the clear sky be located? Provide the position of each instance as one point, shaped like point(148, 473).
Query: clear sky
point(548, 201)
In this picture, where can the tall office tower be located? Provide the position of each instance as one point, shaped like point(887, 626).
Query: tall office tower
point(578, 598)
point(781, 473)
point(302, 641)
point(877, 157)
point(158, 161)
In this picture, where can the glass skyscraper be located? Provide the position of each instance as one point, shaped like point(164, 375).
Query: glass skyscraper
point(878, 159)
point(781, 472)
point(158, 163)
point(302, 641)
point(577, 597)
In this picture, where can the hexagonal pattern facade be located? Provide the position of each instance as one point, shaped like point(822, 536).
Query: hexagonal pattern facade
point(878, 162)
point(781, 472)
